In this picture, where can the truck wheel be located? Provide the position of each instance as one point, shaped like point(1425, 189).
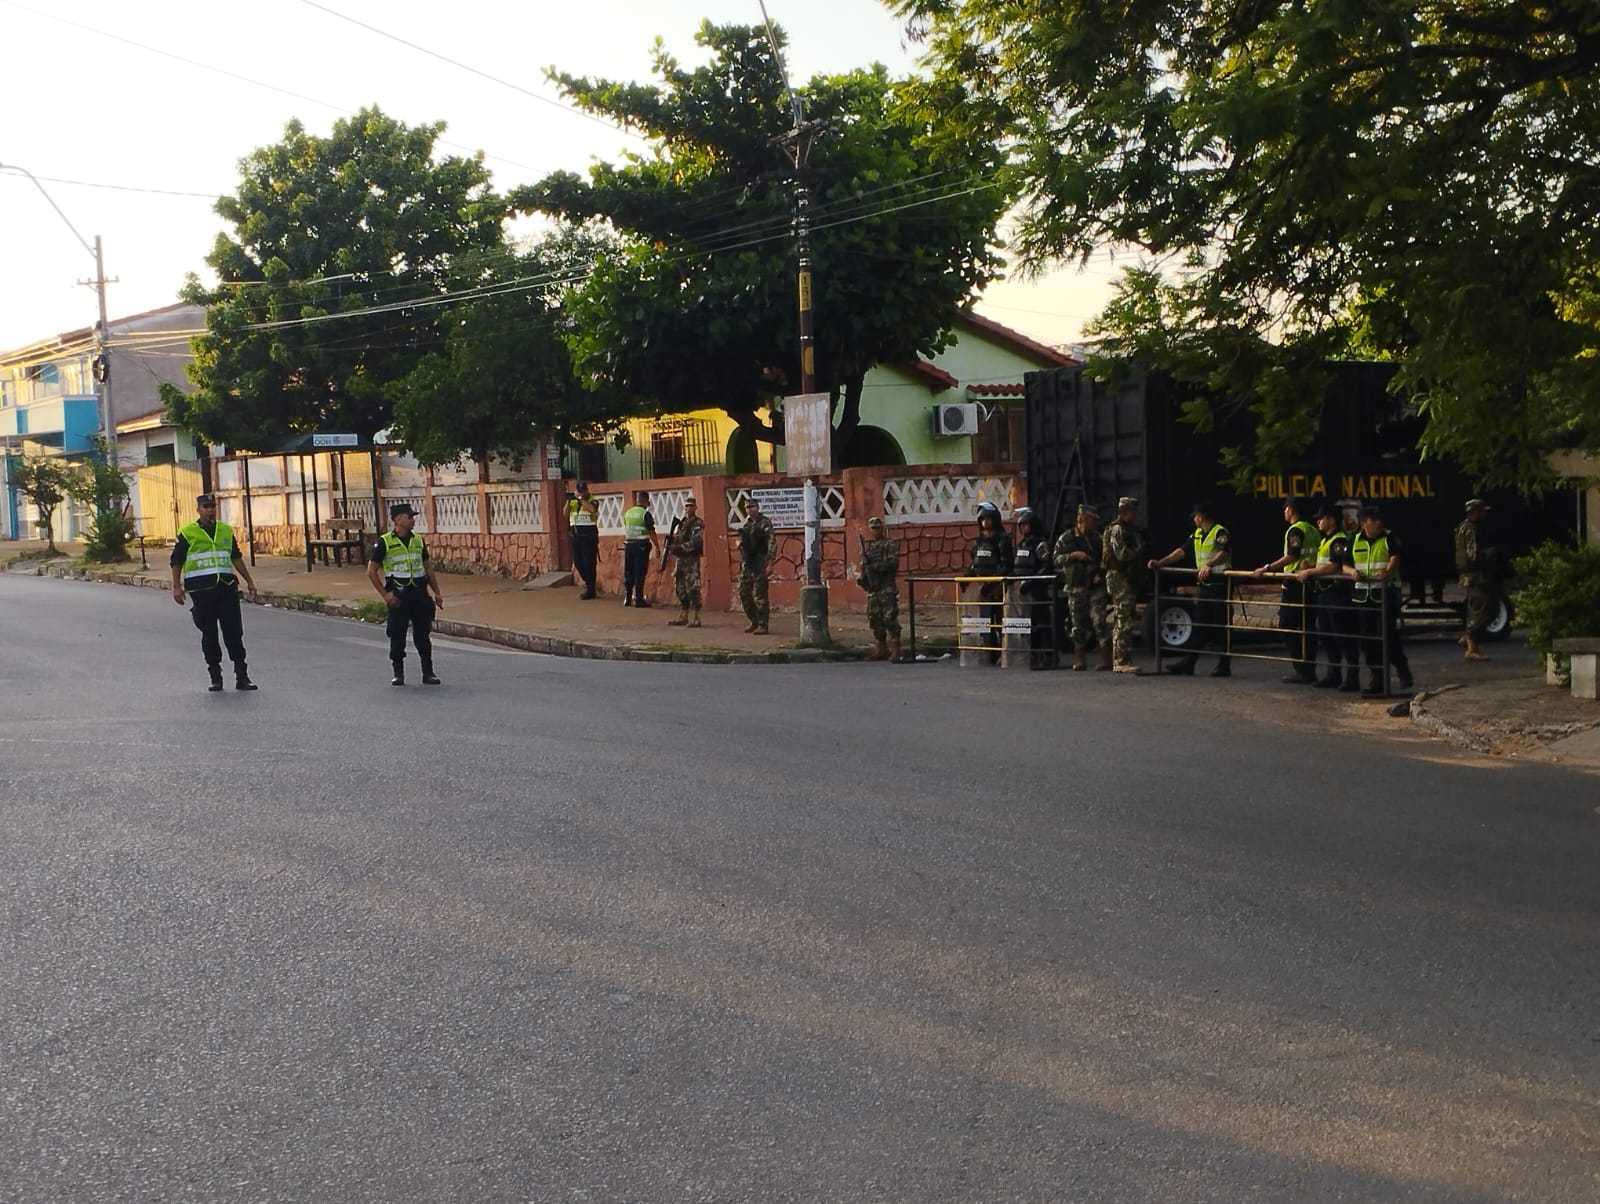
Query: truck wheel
point(1175, 623)
point(1499, 627)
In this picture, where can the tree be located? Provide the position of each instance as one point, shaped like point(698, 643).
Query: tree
point(46, 482)
point(699, 308)
point(329, 286)
point(99, 482)
point(504, 374)
point(1418, 181)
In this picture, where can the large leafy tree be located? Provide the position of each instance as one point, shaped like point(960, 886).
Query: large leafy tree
point(329, 283)
point(504, 374)
point(700, 307)
point(1416, 180)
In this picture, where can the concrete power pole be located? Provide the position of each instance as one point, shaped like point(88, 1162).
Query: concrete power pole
point(102, 357)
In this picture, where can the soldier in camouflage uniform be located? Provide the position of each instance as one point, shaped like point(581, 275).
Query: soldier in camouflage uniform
point(1479, 567)
point(1122, 558)
point(1078, 556)
point(880, 562)
point(758, 544)
point(687, 543)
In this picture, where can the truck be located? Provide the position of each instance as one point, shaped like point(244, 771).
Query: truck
point(1094, 441)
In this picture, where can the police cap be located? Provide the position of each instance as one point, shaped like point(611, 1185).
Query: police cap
point(1295, 504)
point(1476, 503)
point(1372, 512)
point(400, 508)
point(1327, 510)
point(206, 499)
point(1200, 508)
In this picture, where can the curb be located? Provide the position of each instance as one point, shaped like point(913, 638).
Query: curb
point(1435, 726)
point(524, 641)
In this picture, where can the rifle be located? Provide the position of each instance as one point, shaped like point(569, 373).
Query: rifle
point(666, 547)
point(865, 579)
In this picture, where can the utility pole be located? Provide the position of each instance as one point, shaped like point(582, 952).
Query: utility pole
point(797, 143)
point(102, 357)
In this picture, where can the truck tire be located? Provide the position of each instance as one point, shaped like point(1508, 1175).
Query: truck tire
point(1499, 627)
point(1174, 623)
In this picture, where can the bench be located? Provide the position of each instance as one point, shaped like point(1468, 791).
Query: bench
point(336, 537)
point(1583, 653)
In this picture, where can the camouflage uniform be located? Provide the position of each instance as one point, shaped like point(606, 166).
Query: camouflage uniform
point(687, 545)
point(1122, 556)
point(880, 561)
point(1480, 577)
point(757, 546)
point(1086, 588)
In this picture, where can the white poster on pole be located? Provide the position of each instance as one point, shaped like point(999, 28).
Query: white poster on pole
point(808, 435)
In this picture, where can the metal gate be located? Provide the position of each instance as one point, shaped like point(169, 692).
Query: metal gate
point(163, 499)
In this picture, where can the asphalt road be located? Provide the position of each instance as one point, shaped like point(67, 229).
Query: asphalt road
point(569, 930)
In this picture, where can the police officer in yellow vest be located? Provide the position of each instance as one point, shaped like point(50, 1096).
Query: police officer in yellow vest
point(1301, 542)
point(399, 570)
point(1375, 554)
point(1212, 548)
point(207, 564)
point(638, 548)
point(583, 527)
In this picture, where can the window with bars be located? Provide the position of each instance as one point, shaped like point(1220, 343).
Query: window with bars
point(679, 447)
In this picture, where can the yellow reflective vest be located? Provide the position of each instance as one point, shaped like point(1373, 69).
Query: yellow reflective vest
point(208, 557)
point(402, 561)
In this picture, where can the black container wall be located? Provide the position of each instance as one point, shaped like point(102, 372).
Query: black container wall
point(1094, 442)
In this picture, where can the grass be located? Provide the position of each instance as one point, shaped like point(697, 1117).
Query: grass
point(34, 554)
point(372, 611)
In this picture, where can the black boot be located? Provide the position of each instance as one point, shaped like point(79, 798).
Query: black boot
point(1182, 667)
point(399, 678)
point(1331, 680)
point(216, 677)
point(428, 679)
point(1224, 667)
point(1374, 685)
point(241, 678)
point(1352, 681)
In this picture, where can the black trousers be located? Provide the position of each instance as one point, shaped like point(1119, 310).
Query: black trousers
point(635, 567)
point(1299, 631)
point(585, 553)
point(217, 609)
point(1374, 618)
point(1211, 617)
point(1336, 628)
point(414, 609)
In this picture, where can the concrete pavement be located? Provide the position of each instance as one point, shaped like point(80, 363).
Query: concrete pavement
point(1500, 707)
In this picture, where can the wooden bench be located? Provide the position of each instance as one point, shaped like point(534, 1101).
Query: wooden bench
point(335, 538)
point(1583, 653)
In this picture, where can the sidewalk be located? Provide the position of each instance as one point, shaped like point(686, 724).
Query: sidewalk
point(1500, 707)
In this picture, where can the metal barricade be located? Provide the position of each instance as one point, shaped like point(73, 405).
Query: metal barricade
point(984, 627)
point(1368, 626)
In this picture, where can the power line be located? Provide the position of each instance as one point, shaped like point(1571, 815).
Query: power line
point(382, 33)
point(210, 196)
point(327, 104)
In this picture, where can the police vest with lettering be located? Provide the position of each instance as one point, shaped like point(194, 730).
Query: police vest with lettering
point(633, 528)
point(581, 514)
point(208, 557)
point(1370, 556)
point(402, 560)
point(1308, 540)
point(1205, 546)
point(1325, 557)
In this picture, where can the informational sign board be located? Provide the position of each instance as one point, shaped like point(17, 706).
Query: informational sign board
point(785, 507)
point(808, 435)
point(1016, 626)
point(334, 439)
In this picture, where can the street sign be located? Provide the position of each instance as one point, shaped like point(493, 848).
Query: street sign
point(785, 507)
point(334, 439)
point(808, 434)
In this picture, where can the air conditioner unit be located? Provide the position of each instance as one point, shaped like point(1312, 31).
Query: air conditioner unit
point(955, 419)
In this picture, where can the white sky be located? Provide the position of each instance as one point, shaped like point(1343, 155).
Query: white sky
point(83, 103)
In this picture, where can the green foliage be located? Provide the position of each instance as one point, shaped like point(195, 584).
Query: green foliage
point(504, 374)
point(1414, 181)
point(46, 482)
point(698, 306)
point(328, 283)
point(106, 540)
point(372, 611)
point(1560, 594)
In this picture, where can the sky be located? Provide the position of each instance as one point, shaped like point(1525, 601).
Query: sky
point(133, 118)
